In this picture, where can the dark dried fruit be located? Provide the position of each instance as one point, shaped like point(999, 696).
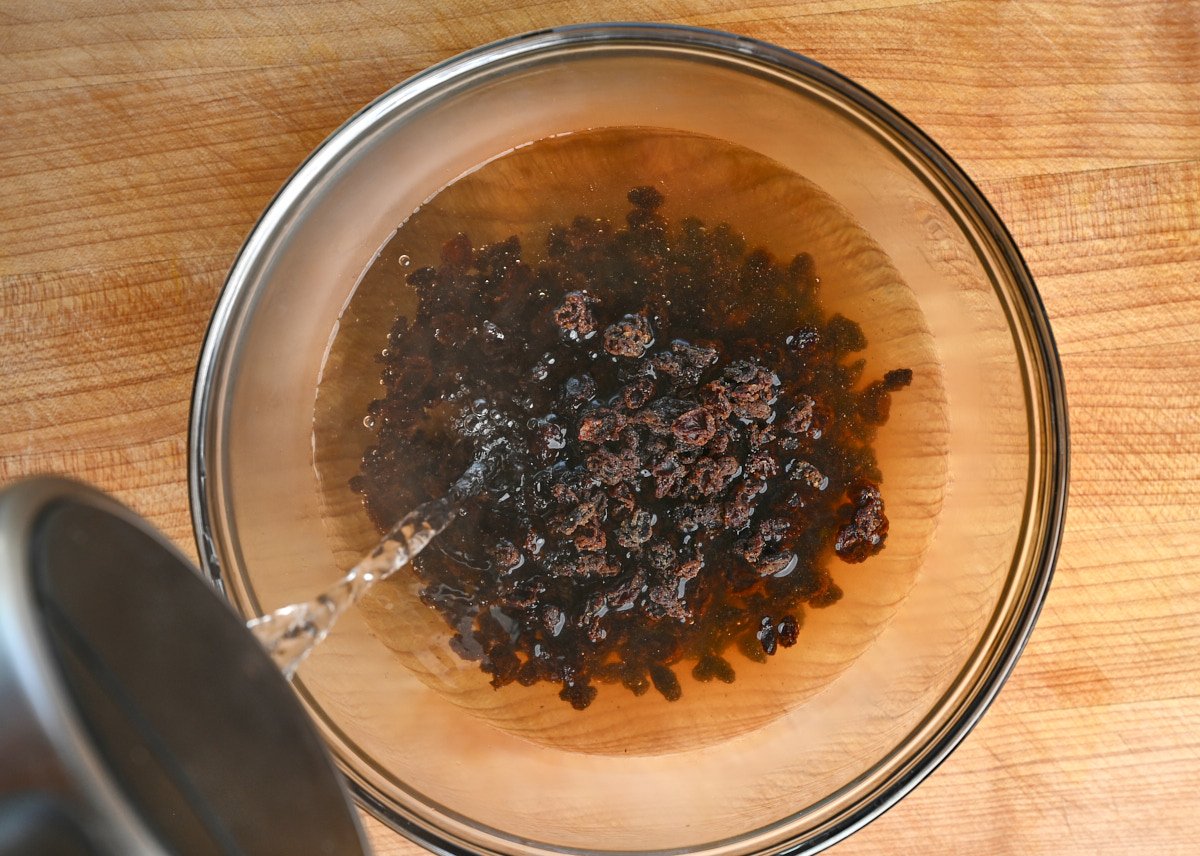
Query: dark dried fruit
point(629, 337)
point(600, 425)
point(612, 468)
point(645, 197)
point(807, 474)
point(578, 390)
point(897, 379)
point(690, 569)
point(579, 695)
point(866, 529)
point(574, 315)
point(634, 679)
point(636, 530)
point(506, 556)
point(713, 666)
point(504, 666)
point(638, 393)
point(694, 428)
point(590, 538)
point(760, 464)
point(595, 565)
point(767, 636)
point(710, 476)
point(788, 631)
point(772, 563)
point(547, 439)
point(844, 336)
point(665, 682)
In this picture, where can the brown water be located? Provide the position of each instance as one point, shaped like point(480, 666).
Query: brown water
point(525, 193)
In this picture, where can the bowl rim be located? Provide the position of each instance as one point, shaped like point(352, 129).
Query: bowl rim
point(1050, 390)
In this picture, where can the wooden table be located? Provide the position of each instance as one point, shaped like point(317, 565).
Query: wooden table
point(140, 142)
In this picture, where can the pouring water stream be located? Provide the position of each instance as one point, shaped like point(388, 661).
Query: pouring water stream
point(291, 632)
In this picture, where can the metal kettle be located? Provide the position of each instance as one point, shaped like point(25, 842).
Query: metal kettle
point(137, 713)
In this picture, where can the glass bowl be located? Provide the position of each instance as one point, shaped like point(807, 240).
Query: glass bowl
point(797, 754)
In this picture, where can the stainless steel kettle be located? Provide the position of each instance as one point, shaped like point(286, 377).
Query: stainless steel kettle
point(137, 713)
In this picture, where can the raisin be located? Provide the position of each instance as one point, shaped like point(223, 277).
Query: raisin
point(866, 528)
point(600, 425)
point(646, 197)
point(529, 674)
point(799, 418)
point(590, 538)
point(625, 594)
point(807, 474)
point(787, 631)
point(636, 530)
point(634, 679)
point(713, 666)
point(716, 396)
point(770, 563)
point(574, 315)
point(504, 666)
point(664, 602)
point(750, 547)
point(579, 390)
point(661, 555)
point(665, 682)
point(694, 428)
point(506, 556)
point(659, 416)
point(628, 337)
point(638, 393)
point(844, 336)
point(547, 440)
point(580, 696)
point(690, 569)
point(669, 474)
point(897, 379)
point(775, 529)
point(760, 465)
point(767, 636)
point(612, 468)
point(695, 356)
point(710, 476)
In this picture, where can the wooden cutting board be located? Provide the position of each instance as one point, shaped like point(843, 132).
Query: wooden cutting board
point(140, 142)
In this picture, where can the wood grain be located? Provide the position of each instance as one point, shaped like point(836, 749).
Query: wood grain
point(141, 140)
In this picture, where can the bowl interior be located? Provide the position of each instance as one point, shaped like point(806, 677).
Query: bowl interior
point(790, 750)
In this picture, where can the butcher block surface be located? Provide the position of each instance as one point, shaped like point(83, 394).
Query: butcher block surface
point(140, 142)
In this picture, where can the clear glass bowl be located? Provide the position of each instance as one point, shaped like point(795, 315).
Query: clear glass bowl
point(808, 749)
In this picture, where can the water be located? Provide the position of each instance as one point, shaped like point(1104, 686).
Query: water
point(524, 193)
point(290, 633)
